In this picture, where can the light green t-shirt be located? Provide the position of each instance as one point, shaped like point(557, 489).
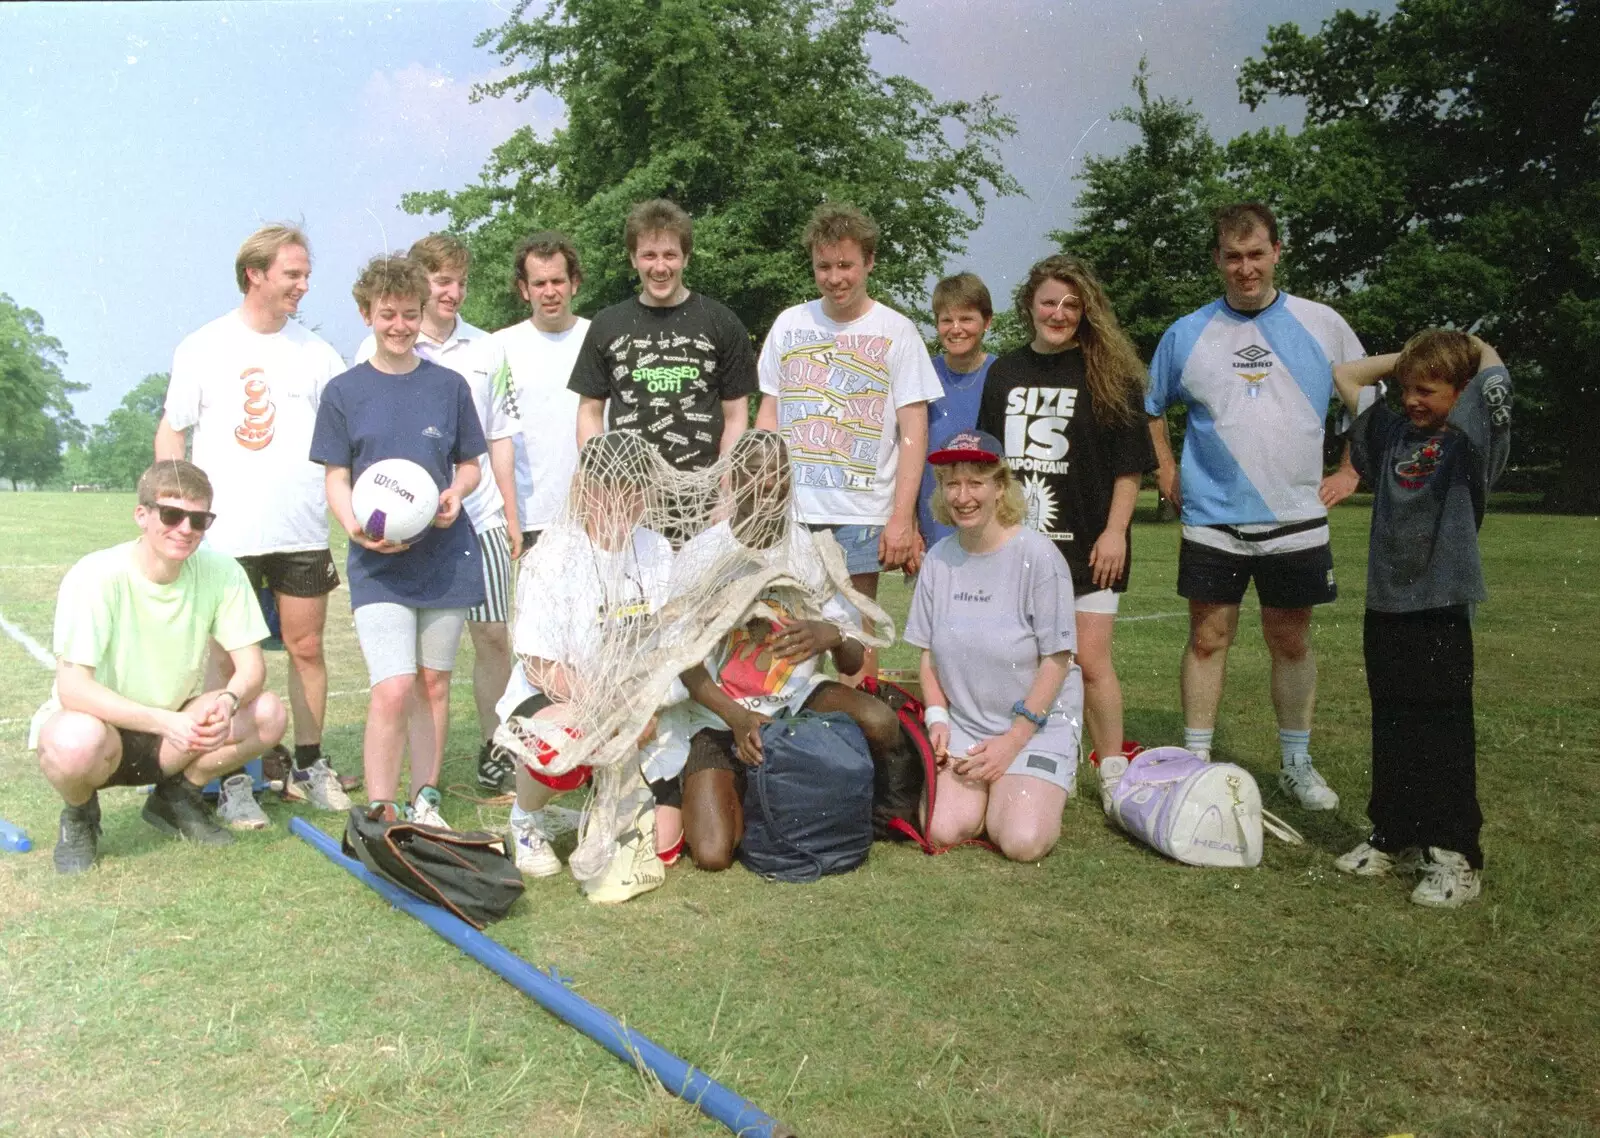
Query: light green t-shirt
point(148, 641)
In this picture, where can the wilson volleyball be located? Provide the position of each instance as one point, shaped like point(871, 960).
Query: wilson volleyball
point(395, 499)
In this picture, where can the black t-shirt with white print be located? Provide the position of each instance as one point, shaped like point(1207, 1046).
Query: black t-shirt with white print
point(1066, 459)
point(666, 372)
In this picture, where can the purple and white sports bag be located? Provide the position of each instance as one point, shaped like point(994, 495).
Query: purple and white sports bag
point(1193, 810)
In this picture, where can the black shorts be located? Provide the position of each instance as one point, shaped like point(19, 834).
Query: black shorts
point(308, 573)
point(668, 792)
point(1294, 580)
point(713, 750)
point(141, 759)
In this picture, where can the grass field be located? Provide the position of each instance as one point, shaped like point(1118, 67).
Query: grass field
point(260, 990)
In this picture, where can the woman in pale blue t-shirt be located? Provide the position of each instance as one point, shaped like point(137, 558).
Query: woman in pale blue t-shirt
point(993, 616)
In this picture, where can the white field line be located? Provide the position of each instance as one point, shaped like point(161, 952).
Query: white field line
point(29, 644)
point(57, 568)
point(1153, 616)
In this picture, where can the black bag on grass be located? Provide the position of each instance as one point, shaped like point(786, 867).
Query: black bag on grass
point(808, 806)
point(468, 872)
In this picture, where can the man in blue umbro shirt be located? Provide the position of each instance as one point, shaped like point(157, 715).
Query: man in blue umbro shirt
point(1255, 370)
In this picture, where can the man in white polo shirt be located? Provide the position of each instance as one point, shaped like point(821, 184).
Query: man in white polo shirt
point(248, 385)
point(541, 352)
point(847, 381)
point(451, 342)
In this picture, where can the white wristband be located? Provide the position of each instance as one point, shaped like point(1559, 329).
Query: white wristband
point(933, 716)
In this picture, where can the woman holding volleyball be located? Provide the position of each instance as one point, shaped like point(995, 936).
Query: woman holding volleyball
point(410, 599)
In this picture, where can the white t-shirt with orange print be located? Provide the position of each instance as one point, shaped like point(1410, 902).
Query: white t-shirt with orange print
point(252, 400)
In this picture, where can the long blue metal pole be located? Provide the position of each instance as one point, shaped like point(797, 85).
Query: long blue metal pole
point(683, 1079)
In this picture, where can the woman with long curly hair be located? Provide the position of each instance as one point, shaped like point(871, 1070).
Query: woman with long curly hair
point(1069, 408)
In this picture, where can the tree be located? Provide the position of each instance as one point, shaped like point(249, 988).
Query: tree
point(747, 113)
point(1144, 216)
point(123, 447)
point(35, 406)
point(1480, 120)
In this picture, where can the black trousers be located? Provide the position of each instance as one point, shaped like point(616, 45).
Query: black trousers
point(1424, 755)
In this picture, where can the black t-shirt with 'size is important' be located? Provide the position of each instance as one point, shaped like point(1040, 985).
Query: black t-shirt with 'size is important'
point(1066, 459)
point(666, 372)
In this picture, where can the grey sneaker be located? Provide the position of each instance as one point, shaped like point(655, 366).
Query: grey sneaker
point(1308, 788)
point(425, 809)
point(237, 807)
point(1448, 882)
point(78, 841)
point(1367, 860)
point(319, 787)
point(176, 807)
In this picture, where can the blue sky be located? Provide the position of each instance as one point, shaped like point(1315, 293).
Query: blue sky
point(142, 142)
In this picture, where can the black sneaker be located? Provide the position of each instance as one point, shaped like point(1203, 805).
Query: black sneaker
point(497, 770)
point(176, 807)
point(78, 842)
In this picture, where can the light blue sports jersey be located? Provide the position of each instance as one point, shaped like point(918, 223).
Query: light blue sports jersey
point(1257, 388)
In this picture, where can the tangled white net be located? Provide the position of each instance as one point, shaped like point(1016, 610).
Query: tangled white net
point(620, 615)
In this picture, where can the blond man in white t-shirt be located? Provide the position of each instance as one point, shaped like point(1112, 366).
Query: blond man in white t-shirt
point(847, 382)
point(449, 341)
point(245, 389)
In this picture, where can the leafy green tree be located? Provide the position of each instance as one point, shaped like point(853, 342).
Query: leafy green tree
point(748, 113)
point(35, 406)
point(1467, 136)
point(1144, 216)
point(121, 448)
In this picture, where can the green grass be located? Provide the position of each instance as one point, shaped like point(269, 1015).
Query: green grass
point(259, 989)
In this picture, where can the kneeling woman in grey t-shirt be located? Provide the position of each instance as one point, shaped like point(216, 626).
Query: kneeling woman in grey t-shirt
point(993, 616)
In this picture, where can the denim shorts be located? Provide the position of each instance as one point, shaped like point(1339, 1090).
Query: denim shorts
point(860, 545)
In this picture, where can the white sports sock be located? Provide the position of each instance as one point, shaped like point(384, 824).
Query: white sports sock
point(1198, 739)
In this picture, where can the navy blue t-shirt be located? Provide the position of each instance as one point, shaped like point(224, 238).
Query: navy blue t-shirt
point(426, 416)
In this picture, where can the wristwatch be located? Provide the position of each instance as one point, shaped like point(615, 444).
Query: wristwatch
point(230, 692)
point(1020, 708)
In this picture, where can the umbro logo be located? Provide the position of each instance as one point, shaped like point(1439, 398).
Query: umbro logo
point(1253, 355)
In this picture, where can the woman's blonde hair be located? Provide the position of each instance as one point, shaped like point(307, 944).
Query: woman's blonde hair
point(1011, 508)
point(1116, 374)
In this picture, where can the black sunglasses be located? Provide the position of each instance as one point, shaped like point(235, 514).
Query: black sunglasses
point(199, 520)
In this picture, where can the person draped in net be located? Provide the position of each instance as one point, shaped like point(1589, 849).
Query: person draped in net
point(588, 591)
point(767, 661)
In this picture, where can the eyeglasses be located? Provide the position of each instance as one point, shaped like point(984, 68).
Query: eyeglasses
point(199, 520)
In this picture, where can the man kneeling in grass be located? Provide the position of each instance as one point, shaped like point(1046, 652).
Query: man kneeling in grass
point(132, 627)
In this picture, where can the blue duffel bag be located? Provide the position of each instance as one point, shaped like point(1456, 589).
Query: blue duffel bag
point(808, 806)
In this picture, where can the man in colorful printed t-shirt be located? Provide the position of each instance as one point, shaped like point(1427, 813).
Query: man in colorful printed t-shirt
point(1255, 369)
point(846, 381)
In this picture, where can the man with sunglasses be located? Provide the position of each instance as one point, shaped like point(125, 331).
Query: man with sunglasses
point(133, 628)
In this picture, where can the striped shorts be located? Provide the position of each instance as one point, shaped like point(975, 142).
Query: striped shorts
point(496, 550)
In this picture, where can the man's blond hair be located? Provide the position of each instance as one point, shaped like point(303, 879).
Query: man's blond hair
point(437, 251)
point(260, 249)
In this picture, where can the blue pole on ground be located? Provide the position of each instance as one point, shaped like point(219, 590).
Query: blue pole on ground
point(679, 1077)
point(13, 838)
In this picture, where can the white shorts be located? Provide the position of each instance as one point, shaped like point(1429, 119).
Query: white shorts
point(1102, 601)
point(396, 639)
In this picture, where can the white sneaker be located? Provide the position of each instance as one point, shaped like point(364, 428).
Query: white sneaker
point(531, 841)
point(1300, 779)
point(1448, 882)
point(1367, 860)
point(237, 807)
point(1112, 768)
point(635, 866)
point(425, 809)
point(318, 786)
